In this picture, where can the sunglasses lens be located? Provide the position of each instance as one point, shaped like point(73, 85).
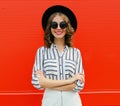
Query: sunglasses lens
point(63, 25)
point(54, 25)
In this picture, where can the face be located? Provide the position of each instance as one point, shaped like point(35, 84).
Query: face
point(60, 31)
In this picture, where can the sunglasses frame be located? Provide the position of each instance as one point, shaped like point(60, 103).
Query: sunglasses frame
point(62, 25)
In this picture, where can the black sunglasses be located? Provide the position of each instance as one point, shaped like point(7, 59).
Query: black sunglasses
point(62, 25)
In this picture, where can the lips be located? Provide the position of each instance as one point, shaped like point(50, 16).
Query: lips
point(58, 32)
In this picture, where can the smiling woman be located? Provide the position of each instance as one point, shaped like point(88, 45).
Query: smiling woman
point(58, 23)
point(58, 65)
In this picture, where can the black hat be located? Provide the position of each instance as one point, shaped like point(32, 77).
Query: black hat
point(62, 9)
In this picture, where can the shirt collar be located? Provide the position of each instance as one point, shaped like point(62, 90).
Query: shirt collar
point(54, 46)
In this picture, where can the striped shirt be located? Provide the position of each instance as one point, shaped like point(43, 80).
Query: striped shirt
point(58, 66)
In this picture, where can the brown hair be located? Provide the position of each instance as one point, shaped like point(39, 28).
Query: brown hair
point(49, 38)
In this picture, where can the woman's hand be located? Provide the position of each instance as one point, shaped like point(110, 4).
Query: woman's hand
point(80, 77)
point(40, 74)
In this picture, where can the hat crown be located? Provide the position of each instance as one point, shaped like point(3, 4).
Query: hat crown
point(62, 9)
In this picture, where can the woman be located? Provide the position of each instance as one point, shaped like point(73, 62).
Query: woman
point(58, 66)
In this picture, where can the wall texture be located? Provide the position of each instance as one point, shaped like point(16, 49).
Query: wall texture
point(97, 36)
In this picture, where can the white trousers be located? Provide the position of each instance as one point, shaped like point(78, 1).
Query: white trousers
point(61, 98)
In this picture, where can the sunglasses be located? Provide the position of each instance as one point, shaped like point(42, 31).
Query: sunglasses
point(62, 25)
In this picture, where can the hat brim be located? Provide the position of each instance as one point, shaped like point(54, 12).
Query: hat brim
point(62, 9)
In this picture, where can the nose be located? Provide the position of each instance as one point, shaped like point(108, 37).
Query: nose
point(58, 26)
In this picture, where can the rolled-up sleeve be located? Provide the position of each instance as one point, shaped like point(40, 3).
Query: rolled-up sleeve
point(38, 65)
point(79, 69)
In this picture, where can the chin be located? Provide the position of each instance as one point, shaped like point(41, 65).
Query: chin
point(59, 36)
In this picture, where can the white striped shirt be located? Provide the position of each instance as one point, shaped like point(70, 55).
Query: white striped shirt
point(58, 66)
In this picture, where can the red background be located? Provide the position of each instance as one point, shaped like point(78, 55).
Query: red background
point(97, 36)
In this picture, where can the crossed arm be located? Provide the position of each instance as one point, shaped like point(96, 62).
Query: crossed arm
point(65, 85)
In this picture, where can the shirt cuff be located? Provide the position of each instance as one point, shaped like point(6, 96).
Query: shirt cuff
point(79, 86)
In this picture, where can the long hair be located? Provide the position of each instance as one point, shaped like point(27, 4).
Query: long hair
point(49, 38)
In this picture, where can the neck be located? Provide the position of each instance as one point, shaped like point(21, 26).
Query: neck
point(59, 44)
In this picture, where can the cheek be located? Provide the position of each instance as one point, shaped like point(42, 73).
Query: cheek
point(52, 31)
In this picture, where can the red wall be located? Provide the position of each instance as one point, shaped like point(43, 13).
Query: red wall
point(97, 36)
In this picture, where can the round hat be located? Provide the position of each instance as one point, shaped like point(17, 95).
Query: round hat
point(62, 9)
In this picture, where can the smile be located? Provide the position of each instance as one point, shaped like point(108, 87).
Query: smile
point(58, 32)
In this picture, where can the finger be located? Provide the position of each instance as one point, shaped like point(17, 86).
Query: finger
point(39, 72)
point(81, 74)
point(38, 76)
point(83, 79)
